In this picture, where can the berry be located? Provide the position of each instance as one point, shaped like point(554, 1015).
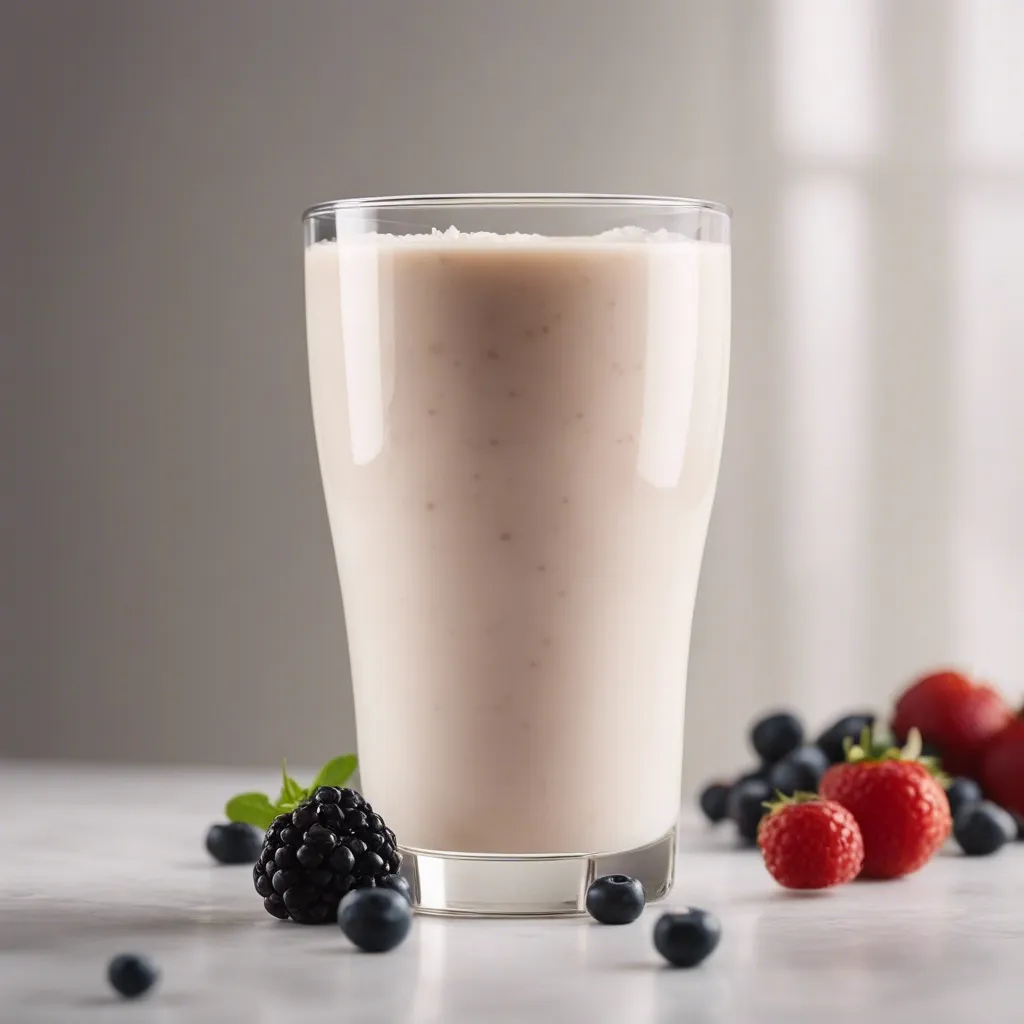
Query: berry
point(984, 828)
point(375, 920)
point(811, 844)
point(760, 773)
point(901, 809)
point(398, 883)
point(615, 899)
point(132, 975)
point(774, 736)
point(1002, 768)
point(957, 715)
point(832, 741)
point(961, 793)
point(234, 843)
point(800, 771)
point(329, 845)
point(714, 801)
point(686, 939)
point(747, 806)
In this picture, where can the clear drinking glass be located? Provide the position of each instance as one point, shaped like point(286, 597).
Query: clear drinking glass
point(519, 403)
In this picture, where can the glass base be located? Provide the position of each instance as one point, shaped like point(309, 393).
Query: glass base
point(529, 885)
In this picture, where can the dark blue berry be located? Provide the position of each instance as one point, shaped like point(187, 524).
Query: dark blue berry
point(746, 806)
point(131, 974)
point(615, 899)
point(761, 773)
point(982, 829)
point(714, 800)
point(800, 771)
point(375, 920)
point(234, 843)
point(398, 883)
point(774, 736)
point(686, 939)
point(832, 740)
point(962, 793)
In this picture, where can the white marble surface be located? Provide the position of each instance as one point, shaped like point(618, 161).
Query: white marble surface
point(95, 862)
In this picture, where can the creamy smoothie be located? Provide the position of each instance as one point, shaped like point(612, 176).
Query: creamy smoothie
point(519, 439)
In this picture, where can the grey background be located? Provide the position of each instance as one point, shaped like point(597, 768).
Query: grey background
point(168, 589)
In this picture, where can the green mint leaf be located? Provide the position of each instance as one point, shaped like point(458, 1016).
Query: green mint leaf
point(251, 808)
point(336, 772)
point(291, 792)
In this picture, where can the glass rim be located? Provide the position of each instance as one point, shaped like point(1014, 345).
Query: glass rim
point(510, 200)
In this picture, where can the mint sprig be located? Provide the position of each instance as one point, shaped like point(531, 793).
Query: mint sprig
point(259, 810)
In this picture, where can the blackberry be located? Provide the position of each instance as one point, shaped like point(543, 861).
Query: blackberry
point(328, 846)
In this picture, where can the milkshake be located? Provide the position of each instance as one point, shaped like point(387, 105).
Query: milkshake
point(519, 439)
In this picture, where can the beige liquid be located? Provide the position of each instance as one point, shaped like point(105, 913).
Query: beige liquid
point(519, 441)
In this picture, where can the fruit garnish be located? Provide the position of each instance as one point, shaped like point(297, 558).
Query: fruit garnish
point(686, 939)
point(237, 842)
point(810, 843)
point(898, 800)
point(983, 829)
point(132, 975)
point(1002, 767)
point(259, 810)
point(955, 714)
point(876, 745)
point(332, 843)
point(775, 735)
point(375, 920)
point(615, 899)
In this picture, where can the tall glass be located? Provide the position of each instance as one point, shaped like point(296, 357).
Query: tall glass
point(519, 403)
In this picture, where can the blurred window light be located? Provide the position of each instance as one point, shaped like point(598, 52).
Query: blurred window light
point(827, 84)
point(988, 427)
point(987, 70)
point(827, 315)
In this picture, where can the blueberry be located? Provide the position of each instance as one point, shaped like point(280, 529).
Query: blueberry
point(774, 736)
point(398, 883)
point(848, 727)
point(800, 771)
point(982, 829)
point(746, 806)
point(131, 974)
point(714, 800)
point(961, 793)
point(760, 773)
point(615, 899)
point(375, 920)
point(686, 939)
point(234, 843)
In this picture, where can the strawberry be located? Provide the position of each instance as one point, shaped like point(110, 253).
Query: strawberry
point(1002, 767)
point(809, 843)
point(900, 806)
point(955, 714)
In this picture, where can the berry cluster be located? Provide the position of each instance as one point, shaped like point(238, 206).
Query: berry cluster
point(852, 803)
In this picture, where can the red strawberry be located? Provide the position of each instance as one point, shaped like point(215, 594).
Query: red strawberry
point(1002, 767)
point(901, 808)
point(955, 714)
point(809, 843)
